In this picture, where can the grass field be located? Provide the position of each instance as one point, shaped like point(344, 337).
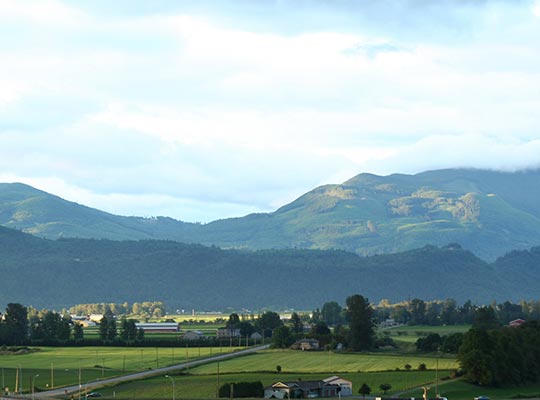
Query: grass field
point(460, 390)
point(328, 362)
point(202, 382)
point(59, 366)
point(205, 386)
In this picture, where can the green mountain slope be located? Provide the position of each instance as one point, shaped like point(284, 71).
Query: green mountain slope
point(487, 212)
point(60, 273)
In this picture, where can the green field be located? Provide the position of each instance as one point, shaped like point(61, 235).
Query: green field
point(323, 361)
point(59, 366)
point(205, 386)
point(460, 390)
point(374, 369)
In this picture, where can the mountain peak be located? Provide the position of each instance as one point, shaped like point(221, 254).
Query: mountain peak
point(487, 212)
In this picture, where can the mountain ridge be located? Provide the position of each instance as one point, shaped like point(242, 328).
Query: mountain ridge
point(487, 212)
point(63, 272)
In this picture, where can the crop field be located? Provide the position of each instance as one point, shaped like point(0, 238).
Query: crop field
point(373, 369)
point(322, 361)
point(59, 366)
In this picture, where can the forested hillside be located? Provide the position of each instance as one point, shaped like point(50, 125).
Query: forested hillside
point(487, 212)
point(54, 274)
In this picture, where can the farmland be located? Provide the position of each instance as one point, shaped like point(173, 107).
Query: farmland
point(374, 369)
point(59, 366)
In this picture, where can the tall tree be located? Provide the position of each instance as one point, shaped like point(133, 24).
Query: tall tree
point(417, 309)
point(282, 338)
point(297, 325)
point(234, 321)
point(16, 323)
point(360, 317)
point(331, 313)
point(267, 322)
point(485, 318)
point(112, 332)
point(128, 329)
point(78, 333)
point(103, 328)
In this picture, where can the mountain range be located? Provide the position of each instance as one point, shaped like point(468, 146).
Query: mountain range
point(486, 212)
point(60, 273)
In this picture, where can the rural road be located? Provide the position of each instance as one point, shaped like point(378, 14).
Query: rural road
point(139, 375)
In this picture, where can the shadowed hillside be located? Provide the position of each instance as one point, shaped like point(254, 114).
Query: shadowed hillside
point(59, 273)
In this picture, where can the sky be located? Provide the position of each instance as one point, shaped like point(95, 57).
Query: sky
point(201, 110)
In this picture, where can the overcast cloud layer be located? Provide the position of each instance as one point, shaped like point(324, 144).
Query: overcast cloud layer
point(202, 110)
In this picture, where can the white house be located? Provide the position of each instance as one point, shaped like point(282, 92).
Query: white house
point(344, 384)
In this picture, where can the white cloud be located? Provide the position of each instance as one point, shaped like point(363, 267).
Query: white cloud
point(536, 9)
point(44, 12)
point(212, 112)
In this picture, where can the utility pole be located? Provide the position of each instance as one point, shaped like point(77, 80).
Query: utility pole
point(437, 378)
point(217, 391)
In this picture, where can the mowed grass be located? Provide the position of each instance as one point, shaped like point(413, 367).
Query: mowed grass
point(203, 381)
point(323, 361)
point(59, 366)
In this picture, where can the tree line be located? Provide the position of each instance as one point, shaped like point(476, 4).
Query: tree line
point(435, 312)
point(143, 309)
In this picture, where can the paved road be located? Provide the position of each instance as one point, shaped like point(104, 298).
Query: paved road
point(140, 375)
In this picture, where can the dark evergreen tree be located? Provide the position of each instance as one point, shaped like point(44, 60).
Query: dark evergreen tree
point(331, 313)
point(267, 322)
point(78, 333)
point(16, 323)
point(360, 318)
point(282, 338)
point(112, 332)
point(128, 331)
point(297, 325)
point(234, 321)
point(485, 318)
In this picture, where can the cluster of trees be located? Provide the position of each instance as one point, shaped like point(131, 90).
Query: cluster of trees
point(448, 312)
point(26, 325)
point(445, 343)
point(49, 325)
point(501, 356)
point(129, 332)
point(144, 309)
point(353, 326)
point(365, 390)
point(266, 323)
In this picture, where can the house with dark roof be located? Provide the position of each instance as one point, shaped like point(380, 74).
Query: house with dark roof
point(306, 389)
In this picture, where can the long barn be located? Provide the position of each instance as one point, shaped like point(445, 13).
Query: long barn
point(158, 327)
